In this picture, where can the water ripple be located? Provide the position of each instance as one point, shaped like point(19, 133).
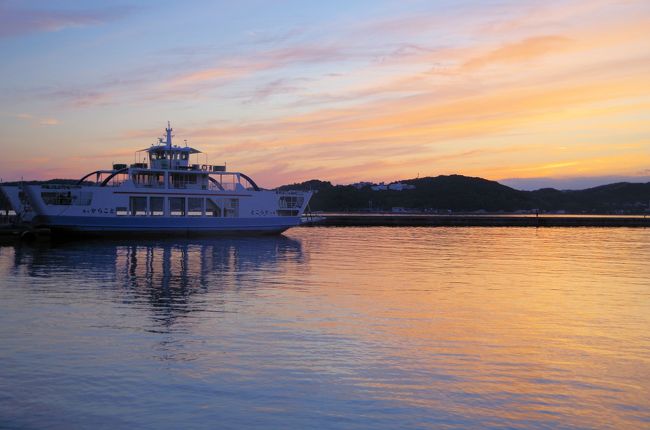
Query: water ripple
point(330, 328)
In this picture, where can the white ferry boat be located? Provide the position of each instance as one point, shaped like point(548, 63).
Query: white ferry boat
point(167, 194)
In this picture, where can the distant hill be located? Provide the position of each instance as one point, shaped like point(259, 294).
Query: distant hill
point(459, 193)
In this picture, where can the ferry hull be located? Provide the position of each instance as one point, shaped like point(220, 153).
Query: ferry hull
point(163, 226)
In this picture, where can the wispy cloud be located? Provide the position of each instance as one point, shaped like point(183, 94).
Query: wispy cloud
point(79, 97)
point(150, 84)
point(273, 37)
point(524, 50)
point(16, 21)
point(49, 121)
point(276, 87)
point(33, 119)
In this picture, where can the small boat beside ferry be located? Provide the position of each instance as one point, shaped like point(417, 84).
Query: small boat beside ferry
point(165, 194)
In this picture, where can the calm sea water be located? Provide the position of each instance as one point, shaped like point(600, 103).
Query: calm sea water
point(377, 328)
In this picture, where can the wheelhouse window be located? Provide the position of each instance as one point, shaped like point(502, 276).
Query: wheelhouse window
point(158, 155)
point(157, 206)
point(195, 206)
point(177, 206)
point(138, 206)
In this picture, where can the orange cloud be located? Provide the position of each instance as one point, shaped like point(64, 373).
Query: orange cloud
point(49, 121)
point(520, 51)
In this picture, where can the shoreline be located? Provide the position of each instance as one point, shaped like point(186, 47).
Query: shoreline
point(474, 220)
point(13, 232)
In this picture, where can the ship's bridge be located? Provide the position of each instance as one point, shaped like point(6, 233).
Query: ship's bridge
point(170, 166)
point(166, 156)
point(174, 157)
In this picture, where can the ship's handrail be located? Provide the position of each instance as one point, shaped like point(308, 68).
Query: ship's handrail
point(250, 181)
point(96, 172)
point(289, 192)
point(60, 186)
point(215, 183)
point(117, 172)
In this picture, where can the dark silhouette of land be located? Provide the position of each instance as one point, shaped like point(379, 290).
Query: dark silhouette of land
point(457, 193)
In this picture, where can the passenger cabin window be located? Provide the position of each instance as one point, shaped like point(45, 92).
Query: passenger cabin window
point(182, 180)
point(57, 198)
point(231, 209)
point(177, 206)
point(195, 206)
point(157, 206)
point(138, 206)
point(211, 208)
point(149, 179)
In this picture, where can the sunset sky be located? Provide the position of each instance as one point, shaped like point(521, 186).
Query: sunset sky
point(534, 93)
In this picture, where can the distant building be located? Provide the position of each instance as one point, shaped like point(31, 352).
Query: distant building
point(398, 186)
point(395, 186)
point(363, 184)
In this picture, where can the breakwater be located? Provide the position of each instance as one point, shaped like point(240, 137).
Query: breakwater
point(472, 220)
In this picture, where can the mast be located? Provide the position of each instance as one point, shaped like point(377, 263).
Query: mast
point(169, 136)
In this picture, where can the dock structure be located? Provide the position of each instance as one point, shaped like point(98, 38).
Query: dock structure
point(482, 220)
point(17, 232)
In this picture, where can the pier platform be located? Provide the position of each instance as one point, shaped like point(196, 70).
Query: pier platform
point(13, 232)
point(475, 220)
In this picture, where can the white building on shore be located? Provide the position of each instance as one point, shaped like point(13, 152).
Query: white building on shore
point(395, 186)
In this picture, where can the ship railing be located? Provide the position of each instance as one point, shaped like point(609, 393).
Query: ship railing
point(146, 185)
point(214, 187)
point(289, 192)
point(115, 183)
point(229, 186)
point(60, 187)
point(291, 202)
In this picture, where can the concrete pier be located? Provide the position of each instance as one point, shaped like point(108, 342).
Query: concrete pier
point(470, 220)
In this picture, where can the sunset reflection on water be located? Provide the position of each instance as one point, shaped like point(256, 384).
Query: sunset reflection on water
point(333, 328)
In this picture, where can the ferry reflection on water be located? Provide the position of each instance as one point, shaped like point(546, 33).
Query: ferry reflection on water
point(166, 272)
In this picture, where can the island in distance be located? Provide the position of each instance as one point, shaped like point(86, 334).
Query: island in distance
point(462, 194)
point(457, 193)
